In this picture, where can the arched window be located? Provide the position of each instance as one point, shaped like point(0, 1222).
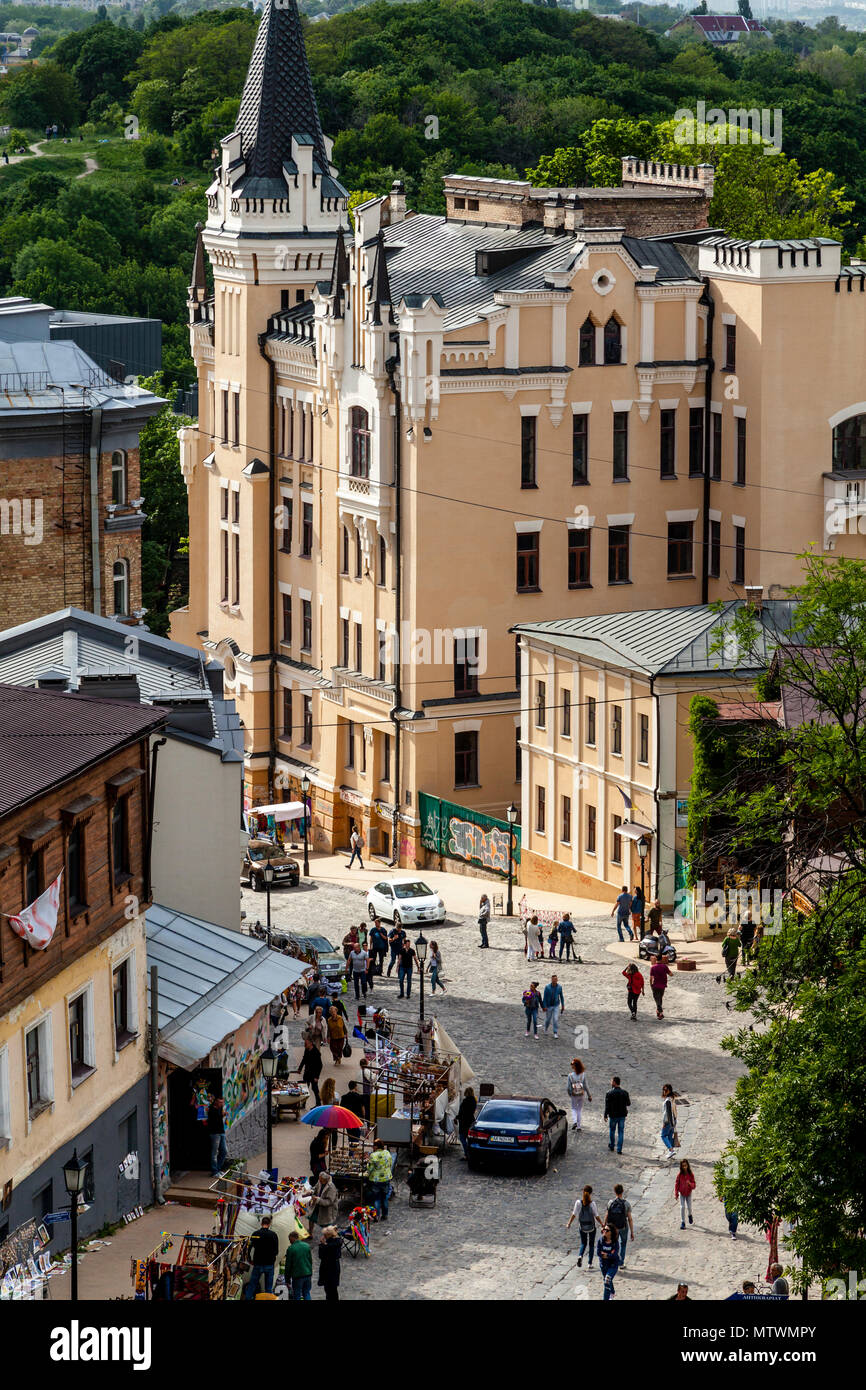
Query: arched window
point(360, 430)
point(118, 477)
point(383, 562)
point(612, 341)
point(120, 579)
point(587, 343)
point(849, 444)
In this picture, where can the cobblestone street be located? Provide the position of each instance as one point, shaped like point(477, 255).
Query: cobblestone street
point(497, 1237)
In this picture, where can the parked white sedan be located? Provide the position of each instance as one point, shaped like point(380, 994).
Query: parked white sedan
point(405, 900)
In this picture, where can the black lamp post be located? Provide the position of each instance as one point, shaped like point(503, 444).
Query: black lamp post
point(421, 953)
point(74, 1173)
point(268, 876)
point(642, 848)
point(511, 813)
point(306, 784)
point(269, 1070)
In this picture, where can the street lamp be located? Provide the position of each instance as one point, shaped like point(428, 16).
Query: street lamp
point(642, 848)
point(512, 814)
point(421, 953)
point(268, 876)
point(305, 790)
point(269, 1070)
point(74, 1173)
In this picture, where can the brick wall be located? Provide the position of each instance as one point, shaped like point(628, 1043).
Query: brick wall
point(644, 217)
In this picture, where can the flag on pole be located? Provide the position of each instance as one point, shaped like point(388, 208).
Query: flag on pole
point(38, 922)
point(626, 799)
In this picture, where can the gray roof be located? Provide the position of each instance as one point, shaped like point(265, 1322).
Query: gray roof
point(210, 980)
point(75, 644)
point(668, 641)
point(32, 373)
point(672, 265)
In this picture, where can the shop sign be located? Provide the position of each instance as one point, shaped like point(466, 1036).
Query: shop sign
point(351, 798)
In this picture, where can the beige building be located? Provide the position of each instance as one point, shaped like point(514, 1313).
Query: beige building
point(414, 437)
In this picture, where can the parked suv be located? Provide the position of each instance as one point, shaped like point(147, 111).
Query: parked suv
point(260, 852)
point(318, 950)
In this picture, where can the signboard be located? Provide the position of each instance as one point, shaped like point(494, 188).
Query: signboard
point(682, 813)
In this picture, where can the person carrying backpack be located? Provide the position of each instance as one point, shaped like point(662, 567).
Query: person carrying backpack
point(618, 1215)
point(578, 1089)
point(552, 939)
point(588, 1218)
point(531, 1005)
point(566, 937)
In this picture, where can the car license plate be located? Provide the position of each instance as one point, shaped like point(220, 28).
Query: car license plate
point(502, 1139)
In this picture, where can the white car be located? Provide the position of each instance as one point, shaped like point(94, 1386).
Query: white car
point(405, 900)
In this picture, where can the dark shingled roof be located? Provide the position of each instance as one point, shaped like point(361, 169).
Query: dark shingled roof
point(46, 738)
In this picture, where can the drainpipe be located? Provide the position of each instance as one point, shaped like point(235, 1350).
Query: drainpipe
point(708, 440)
point(391, 367)
point(654, 696)
point(95, 556)
point(158, 1199)
point(272, 564)
point(151, 799)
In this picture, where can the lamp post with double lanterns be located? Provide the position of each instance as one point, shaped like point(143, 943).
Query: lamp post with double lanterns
point(74, 1174)
point(269, 1060)
point(421, 953)
point(642, 849)
point(268, 876)
point(512, 814)
point(306, 784)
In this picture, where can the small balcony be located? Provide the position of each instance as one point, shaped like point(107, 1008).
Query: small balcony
point(124, 516)
point(844, 505)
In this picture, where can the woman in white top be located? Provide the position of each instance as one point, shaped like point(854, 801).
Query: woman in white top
point(578, 1090)
point(588, 1219)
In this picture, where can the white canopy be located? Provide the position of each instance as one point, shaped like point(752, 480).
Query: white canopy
point(631, 830)
point(285, 810)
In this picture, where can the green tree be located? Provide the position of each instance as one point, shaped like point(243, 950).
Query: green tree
point(37, 95)
point(165, 503)
point(153, 103)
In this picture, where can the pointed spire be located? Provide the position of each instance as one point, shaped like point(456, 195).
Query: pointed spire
point(339, 274)
point(278, 100)
point(198, 283)
point(380, 284)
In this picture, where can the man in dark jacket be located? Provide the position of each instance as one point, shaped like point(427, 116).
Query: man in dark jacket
point(264, 1249)
point(566, 937)
point(216, 1128)
point(353, 1100)
point(310, 1068)
point(616, 1104)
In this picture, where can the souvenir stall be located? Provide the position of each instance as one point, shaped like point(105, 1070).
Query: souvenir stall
point(194, 1268)
point(283, 823)
point(415, 1073)
point(25, 1265)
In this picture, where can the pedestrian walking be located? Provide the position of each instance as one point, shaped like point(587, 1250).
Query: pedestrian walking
point(747, 939)
point(622, 908)
point(353, 1100)
point(216, 1128)
point(616, 1104)
point(530, 937)
point(330, 1250)
point(552, 939)
point(554, 1005)
point(298, 1268)
point(619, 1217)
point(310, 1067)
point(323, 1208)
point(435, 968)
point(329, 1093)
point(337, 1035)
point(637, 911)
point(350, 941)
point(408, 961)
point(358, 963)
point(670, 1138)
point(578, 1089)
point(586, 1212)
point(465, 1117)
point(683, 1188)
point(355, 842)
point(635, 987)
point(731, 951)
point(654, 917)
point(380, 1168)
point(566, 937)
point(319, 1153)
point(608, 1260)
point(264, 1247)
point(483, 919)
point(378, 944)
point(396, 937)
point(660, 973)
point(368, 1085)
point(732, 1216)
point(531, 1005)
point(316, 1029)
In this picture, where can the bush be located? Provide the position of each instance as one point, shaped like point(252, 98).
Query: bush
point(155, 151)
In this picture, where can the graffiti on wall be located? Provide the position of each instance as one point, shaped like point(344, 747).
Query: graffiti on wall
point(473, 842)
point(163, 1174)
point(238, 1060)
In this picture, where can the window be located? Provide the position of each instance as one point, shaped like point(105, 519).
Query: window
point(590, 720)
point(225, 434)
point(696, 441)
point(363, 747)
point(540, 705)
point(236, 506)
point(344, 642)
point(565, 832)
point(359, 556)
point(527, 562)
point(612, 342)
point(344, 565)
point(350, 743)
point(466, 759)
point(225, 566)
point(471, 204)
point(617, 554)
point(236, 418)
point(287, 619)
point(287, 713)
point(359, 647)
point(80, 1012)
point(5, 1108)
point(283, 423)
point(580, 449)
point(382, 658)
point(518, 760)
point(307, 530)
point(33, 877)
point(730, 347)
point(578, 557)
point(119, 477)
point(386, 757)
point(308, 720)
point(739, 554)
point(715, 556)
point(541, 810)
point(40, 1075)
point(716, 458)
point(643, 738)
point(120, 582)
point(620, 444)
point(306, 625)
point(236, 577)
point(849, 444)
point(590, 829)
point(668, 443)
point(75, 882)
point(360, 431)
point(224, 504)
point(466, 666)
point(517, 663)
point(566, 714)
point(383, 562)
point(120, 840)
point(587, 343)
point(286, 527)
point(527, 450)
point(616, 842)
point(741, 452)
point(680, 547)
point(616, 730)
point(302, 431)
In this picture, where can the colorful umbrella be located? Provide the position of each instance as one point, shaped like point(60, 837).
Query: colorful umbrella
point(332, 1117)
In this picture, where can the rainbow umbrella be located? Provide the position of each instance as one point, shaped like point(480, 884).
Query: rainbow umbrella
point(332, 1117)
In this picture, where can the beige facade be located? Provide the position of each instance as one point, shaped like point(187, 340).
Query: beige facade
point(548, 428)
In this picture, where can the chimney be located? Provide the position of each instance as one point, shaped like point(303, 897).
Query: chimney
point(397, 201)
point(755, 596)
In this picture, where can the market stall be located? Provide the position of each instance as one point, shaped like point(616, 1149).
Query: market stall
point(281, 822)
point(203, 1269)
point(25, 1265)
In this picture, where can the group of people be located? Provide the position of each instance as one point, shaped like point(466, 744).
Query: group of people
point(660, 973)
point(738, 943)
point(561, 936)
point(365, 951)
point(264, 1250)
point(633, 906)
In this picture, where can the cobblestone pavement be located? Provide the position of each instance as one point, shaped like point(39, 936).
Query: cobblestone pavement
point(497, 1237)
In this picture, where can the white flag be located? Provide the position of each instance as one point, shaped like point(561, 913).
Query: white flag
point(38, 922)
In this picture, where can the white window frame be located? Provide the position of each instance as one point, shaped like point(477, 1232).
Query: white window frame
point(126, 961)
point(115, 577)
point(85, 992)
point(120, 469)
point(46, 1065)
point(5, 1100)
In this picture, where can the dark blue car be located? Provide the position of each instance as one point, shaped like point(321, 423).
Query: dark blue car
point(517, 1131)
